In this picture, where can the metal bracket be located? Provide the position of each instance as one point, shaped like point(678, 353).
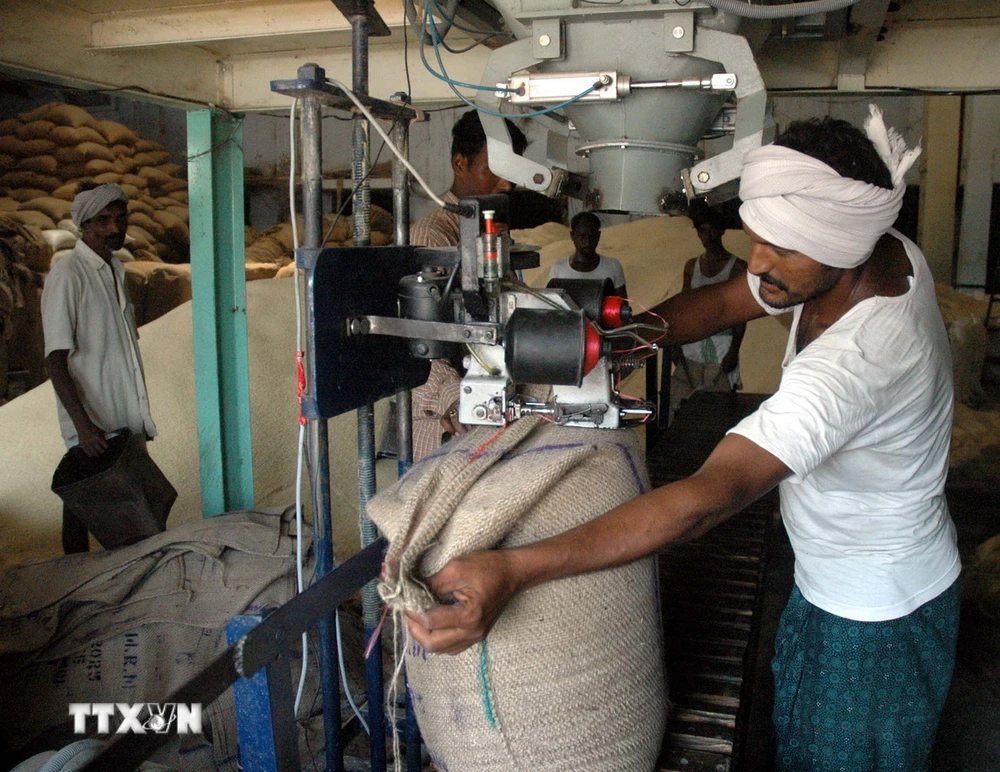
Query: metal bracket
point(448, 332)
point(376, 24)
point(504, 162)
point(333, 97)
point(754, 126)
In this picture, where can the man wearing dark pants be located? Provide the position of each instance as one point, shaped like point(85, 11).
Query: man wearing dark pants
point(91, 341)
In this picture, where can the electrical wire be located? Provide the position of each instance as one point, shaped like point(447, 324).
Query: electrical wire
point(302, 429)
point(396, 151)
point(488, 368)
point(301, 448)
point(454, 84)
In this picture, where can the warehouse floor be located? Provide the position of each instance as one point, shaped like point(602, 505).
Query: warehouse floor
point(968, 740)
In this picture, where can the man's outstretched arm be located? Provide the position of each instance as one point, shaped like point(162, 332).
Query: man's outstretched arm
point(696, 314)
point(736, 474)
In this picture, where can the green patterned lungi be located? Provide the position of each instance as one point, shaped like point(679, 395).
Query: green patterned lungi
point(858, 696)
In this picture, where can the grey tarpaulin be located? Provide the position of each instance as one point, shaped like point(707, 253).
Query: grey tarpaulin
point(131, 625)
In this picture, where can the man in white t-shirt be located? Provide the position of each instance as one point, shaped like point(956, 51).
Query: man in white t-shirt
point(91, 341)
point(585, 262)
point(857, 437)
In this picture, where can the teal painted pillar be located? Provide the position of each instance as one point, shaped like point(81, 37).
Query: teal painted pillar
point(218, 288)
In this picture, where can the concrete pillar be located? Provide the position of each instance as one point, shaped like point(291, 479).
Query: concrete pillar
point(219, 309)
point(939, 183)
point(981, 145)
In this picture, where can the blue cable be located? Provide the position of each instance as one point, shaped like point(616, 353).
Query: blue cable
point(443, 75)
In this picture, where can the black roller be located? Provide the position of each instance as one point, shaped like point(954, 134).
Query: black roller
point(546, 346)
point(588, 294)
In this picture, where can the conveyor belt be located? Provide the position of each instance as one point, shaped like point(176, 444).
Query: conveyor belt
point(713, 596)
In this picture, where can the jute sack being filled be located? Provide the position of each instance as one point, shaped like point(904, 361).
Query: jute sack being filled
point(571, 675)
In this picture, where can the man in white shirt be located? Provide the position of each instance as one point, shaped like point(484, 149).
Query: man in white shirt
point(585, 262)
point(91, 342)
point(857, 437)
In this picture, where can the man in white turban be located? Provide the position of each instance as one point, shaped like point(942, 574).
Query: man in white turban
point(857, 438)
point(91, 342)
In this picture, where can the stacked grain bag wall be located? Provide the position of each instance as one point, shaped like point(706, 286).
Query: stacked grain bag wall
point(47, 152)
point(276, 246)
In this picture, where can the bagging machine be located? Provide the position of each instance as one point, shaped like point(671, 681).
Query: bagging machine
point(634, 87)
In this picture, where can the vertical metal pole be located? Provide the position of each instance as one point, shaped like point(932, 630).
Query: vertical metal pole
point(366, 415)
point(319, 450)
point(401, 237)
point(404, 418)
point(219, 315)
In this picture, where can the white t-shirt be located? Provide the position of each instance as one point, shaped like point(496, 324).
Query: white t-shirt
point(863, 419)
point(83, 313)
point(607, 268)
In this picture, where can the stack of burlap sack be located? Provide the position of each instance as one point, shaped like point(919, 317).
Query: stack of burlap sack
point(22, 256)
point(276, 246)
point(44, 155)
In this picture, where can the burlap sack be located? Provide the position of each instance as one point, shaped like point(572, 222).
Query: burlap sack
point(144, 145)
point(35, 130)
point(12, 146)
point(41, 164)
point(107, 177)
point(117, 134)
point(66, 192)
point(30, 217)
point(171, 186)
point(56, 208)
point(26, 194)
point(131, 625)
point(38, 147)
point(23, 179)
point(571, 675)
point(99, 166)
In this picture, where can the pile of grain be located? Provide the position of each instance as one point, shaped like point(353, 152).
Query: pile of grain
point(45, 153)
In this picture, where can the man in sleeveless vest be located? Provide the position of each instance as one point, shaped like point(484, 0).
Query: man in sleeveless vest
point(712, 364)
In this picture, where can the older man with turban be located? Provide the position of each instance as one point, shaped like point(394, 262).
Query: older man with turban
point(856, 437)
point(91, 342)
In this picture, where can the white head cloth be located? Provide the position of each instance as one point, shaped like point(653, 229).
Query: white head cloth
point(797, 202)
point(89, 203)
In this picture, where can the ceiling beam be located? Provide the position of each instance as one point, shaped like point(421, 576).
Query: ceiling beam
point(864, 26)
point(195, 25)
point(48, 41)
